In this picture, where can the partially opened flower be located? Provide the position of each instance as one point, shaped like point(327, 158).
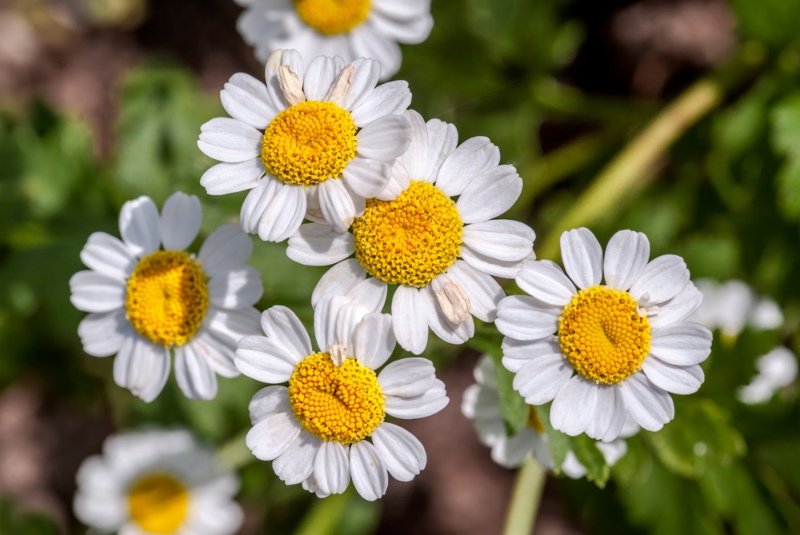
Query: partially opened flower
point(481, 403)
point(440, 253)
point(157, 482)
point(733, 305)
point(346, 28)
point(601, 352)
point(777, 369)
point(313, 142)
point(147, 302)
point(316, 429)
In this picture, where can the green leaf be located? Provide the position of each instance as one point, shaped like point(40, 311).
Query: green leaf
point(585, 449)
point(789, 188)
point(785, 119)
point(771, 21)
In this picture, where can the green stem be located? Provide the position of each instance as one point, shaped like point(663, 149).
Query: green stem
point(525, 498)
point(235, 454)
point(325, 515)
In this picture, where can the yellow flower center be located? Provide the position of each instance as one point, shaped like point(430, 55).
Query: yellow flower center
point(534, 422)
point(309, 143)
point(167, 297)
point(158, 503)
point(411, 239)
point(332, 16)
point(602, 334)
point(340, 403)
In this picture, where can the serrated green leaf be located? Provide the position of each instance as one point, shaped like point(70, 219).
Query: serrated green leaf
point(585, 449)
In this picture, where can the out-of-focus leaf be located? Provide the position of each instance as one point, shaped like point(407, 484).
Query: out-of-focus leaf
point(789, 188)
point(771, 21)
point(712, 256)
point(13, 521)
point(786, 125)
point(592, 459)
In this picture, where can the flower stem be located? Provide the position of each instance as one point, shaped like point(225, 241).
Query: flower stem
point(324, 516)
point(525, 498)
point(235, 454)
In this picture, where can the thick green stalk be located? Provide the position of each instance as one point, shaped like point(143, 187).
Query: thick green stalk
point(525, 498)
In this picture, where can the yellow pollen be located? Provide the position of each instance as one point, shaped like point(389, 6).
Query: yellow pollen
point(158, 503)
point(332, 16)
point(340, 403)
point(602, 334)
point(411, 239)
point(167, 297)
point(533, 420)
point(309, 143)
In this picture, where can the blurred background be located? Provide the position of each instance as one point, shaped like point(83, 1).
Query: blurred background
point(677, 118)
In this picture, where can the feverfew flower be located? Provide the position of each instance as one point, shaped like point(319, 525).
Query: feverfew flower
point(346, 28)
point(733, 305)
point(777, 369)
point(157, 482)
point(482, 404)
point(628, 340)
point(439, 253)
point(316, 428)
point(147, 302)
point(324, 135)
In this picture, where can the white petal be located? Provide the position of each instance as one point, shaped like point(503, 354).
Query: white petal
point(399, 181)
point(336, 204)
point(270, 437)
point(678, 308)
point(282, 326)
point(226, 178)
point(431, 402)
point(675, 379)
point(501, 239)
point(180, 221)
point(627, 254)
point(683, 344)
point(410, 319)
point(338, 280)
point(367, 177)
point(442, 140)
point(402, 453)
point(407, 377)
point(545, 281)
point(229, 140)
point(138, 226)
point(218, 352)
point(195, 377)
point(265, 360)
point(474, 156)
point(369, 293)
point(491, 266)
point(516, 353)
point(524, 318)
point(402, 9)
point(257, 201)
point(385, 138)
point(93, 292)
point(374, 340)
point(281, 57)
point(366, 41)
point(441, 326)
point(319, 77)
point(225, 249)
point(582, 256)
point(103, 334)
point(411, 31)
point(231, 325)
point(541, 378)
point(573, 407)
point(142, 367)
point(368, 471)
point(413, 162)
point(489, 194)
point(363, 81)
point(316, 244)
point(484, 292)
point(237, 288)
point(648, 404)
point(246, 99)
point(268, 401)
point(391, 98)
point(662, 279)
point(332, 467)
point(297, 463)
point(511, 451)
point(108, 256)
point(609, 414)
point(326, 315)
point(283, 214)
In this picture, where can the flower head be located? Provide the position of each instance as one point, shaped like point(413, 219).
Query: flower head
point(733, 305)
point(146, 301)
point(777, 369)
point(315, 429)
point(157, 482)
point(601, 352)
point(346, 28)
point(312, 142)
point(440, 253)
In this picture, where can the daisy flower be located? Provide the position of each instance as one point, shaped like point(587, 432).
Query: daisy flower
point(316, 428)
point(313, 142)
point(733, 305)
point(777, 369)
point(157, 482)
point(146, 302)
point(600, 352)
point(482, 405)
point(440, 254)
point(346, 28)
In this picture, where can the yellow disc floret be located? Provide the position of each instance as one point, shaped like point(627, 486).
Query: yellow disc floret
point(167, 297)
point(309, 143)
point(534, 422)
point(411, 239)
point(340, 403)
point(332, 16)
point(602, 334)
point(158, 503)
